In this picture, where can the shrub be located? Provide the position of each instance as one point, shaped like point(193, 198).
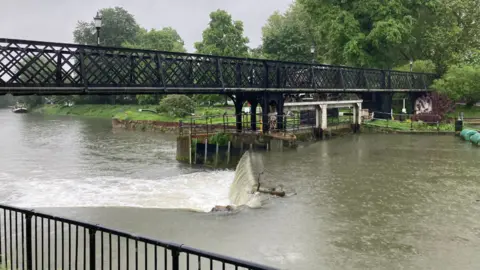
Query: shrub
point(213, 112)
point(177, 105)
point(220, 138)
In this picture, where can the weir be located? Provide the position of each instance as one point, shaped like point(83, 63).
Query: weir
point(244, 187)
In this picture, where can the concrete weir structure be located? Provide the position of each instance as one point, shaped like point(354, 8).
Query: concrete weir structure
point(321, 108)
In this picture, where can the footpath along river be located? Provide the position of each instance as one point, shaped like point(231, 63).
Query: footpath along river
point(368, 201)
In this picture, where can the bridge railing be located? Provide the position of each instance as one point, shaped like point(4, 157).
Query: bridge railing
point(229, 123)
point(32, 240)
point(33, 67)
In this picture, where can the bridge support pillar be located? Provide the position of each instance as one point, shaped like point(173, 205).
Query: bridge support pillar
point(253, 114)
point(238, 101)
point(323, 108)
point(383, 105)
point(272, 111)
point(318, 117)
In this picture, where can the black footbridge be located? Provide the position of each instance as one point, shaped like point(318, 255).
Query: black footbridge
point(46, 68)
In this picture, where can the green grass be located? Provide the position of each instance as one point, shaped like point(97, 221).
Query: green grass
point(410, 126)
point(131, 112)
point(468, 112)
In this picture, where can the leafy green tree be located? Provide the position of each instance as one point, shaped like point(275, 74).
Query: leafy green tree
point(257, 53)
point(223, 36)
point(387, 34)
point(460, 82)
point(177, 105)
point(166, 39)
point(290, 36)
point(425, 66)
point(118, 27)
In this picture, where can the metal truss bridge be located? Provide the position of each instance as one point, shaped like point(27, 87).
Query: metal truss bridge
point(46, 68)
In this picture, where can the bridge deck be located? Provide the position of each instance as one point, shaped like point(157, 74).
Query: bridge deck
point(34, 67)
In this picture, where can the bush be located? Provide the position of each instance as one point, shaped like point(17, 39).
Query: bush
point(177, 106)
point(220, 138)
point(213, 112)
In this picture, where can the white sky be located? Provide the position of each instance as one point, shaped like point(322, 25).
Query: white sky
point(55, 20)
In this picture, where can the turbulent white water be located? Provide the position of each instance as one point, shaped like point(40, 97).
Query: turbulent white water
point(198, 191)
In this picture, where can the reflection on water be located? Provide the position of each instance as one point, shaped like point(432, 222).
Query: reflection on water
point(364, 202)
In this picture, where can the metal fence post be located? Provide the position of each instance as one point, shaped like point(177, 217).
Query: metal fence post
point(28, 221)
point(175, 256)
point(92, 255)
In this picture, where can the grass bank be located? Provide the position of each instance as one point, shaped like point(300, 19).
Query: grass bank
point(128, 112)
point(410, 126)
point(468, 112)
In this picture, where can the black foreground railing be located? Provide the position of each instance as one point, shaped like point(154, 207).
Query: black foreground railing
point(30, 240)
point(36, 67)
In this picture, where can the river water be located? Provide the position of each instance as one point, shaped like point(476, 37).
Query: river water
point(363, 202)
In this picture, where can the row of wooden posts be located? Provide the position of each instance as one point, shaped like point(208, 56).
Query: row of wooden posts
point(229, 147)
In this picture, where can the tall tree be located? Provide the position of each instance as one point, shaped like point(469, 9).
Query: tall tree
point(460, 82)
point(166, 39)
point(386, 34)
point(290, 36)
point(223, 36)
point(118, 27)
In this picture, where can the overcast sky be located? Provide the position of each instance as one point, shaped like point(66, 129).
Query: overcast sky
point(55, 20)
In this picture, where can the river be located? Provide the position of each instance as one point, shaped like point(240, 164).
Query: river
point(367, 201)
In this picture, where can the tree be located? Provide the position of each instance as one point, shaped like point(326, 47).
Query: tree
point(223, 36)
point(424, 66)
point(386, 34)
point(166, 39)
point(257, 53)
point(290, 36)
point(460, 82)
point(177, 105)
point(118, 27)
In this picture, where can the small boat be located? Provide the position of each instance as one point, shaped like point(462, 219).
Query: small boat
point(19, 109)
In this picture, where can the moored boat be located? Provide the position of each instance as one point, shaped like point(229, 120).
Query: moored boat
point(18, 108)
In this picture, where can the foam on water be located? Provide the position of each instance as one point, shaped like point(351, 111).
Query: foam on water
point(198, 191)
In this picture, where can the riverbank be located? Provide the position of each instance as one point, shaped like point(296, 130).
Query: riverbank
point(384, 126)
point(128, 112)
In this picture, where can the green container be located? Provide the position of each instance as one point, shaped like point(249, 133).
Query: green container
point(475, 139)
point(464, 132)
point(467, 133)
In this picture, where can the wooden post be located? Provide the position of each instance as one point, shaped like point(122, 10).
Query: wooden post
point(206, 147)
point(216, 156)
point(228, 153)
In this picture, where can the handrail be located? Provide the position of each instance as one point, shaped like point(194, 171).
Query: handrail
point(175, 248)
